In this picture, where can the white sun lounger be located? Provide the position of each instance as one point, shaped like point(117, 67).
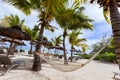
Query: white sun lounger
point(8, 64)
point(116, 73)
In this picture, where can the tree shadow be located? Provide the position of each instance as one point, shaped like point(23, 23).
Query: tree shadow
point(116, 78)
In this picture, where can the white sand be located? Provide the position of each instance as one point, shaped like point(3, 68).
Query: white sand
point(93, 71)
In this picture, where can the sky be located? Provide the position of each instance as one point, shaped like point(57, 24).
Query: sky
point(101, 27)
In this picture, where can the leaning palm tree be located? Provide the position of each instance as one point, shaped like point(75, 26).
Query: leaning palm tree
point(47, 9)
point(111, 6)
point(72, 19)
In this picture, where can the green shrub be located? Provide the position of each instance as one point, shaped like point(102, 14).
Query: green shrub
point(97, 57)
point(109, 57)
point(86, 56)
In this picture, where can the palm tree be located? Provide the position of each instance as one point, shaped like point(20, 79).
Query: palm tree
point(75, 41)
point(111, 6)
point(72, 19)
point(12, 20)
point(57, 41)
point(47, 9)
point(47, 44)
point(33, 33)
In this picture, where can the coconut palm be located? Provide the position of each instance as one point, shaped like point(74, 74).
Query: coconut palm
point(72, 19)
point(47, 9)
point(12, 20)
point(75, 41)
point(57, 41)
point(111, 6)
point(33, 33)
point(14, 24)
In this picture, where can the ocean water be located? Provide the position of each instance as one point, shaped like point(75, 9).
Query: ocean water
point(27, 48)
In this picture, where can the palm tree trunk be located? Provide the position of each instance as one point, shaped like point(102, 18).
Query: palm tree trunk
point(43, 50)
point(115, 20)
point(65, 56)
point(37, 63)
point(55, 51)
point(30, 52)
point(10, 48)
point(48, 50)
point(71, 53)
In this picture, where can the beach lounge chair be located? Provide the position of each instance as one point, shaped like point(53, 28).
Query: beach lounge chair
point(116, 73)
point(2, 51)
point(6, 63)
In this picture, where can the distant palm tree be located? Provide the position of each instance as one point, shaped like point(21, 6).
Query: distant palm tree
point(47, 9)
point(72, 19)
point(33, 33)
point(12, 20)
point(74, 40)
point(57, 41)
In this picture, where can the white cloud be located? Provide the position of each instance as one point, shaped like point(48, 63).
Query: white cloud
point(32, 19)
point(94, 12)
point(100, 29)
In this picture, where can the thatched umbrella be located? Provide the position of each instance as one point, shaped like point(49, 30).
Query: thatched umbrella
point(3, 43)
point(17, 42)
point(14, 32)
point(73, 50)
point(46, 43)
point(40, 42)
point(58, 47)
point(79, 51)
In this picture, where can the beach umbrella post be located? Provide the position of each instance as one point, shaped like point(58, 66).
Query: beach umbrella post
point(14, 32)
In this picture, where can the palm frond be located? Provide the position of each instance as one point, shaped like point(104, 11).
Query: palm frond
point(106, 15)
point(23, 5)
point(12, 20)
point(57, 41)
point(82, 45)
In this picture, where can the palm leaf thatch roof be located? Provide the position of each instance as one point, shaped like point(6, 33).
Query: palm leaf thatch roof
point(44, 42)
point(58, 47)
point(18, 42)
point(14, 32)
